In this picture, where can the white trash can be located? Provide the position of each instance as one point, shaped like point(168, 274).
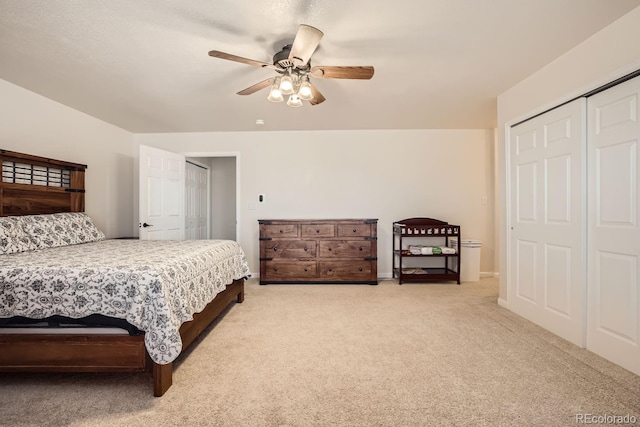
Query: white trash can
point(470, 262)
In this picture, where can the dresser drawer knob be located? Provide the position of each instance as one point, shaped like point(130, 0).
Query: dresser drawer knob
point(306, 269)
point(317, 231)
point(329, 249)
point(305, 249)
point(361, 248)
point(275, 268)
point(354, 230)
point(360, 268)
point(281, 231)
point(275, 248)
point(330, 269)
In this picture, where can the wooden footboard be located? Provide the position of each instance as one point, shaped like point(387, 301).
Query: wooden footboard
point(105, 353)
point(189, 331)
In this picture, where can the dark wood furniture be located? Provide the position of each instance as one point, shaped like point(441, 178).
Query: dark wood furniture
point(409, 267)
point(30, 185)
point(318, 251)
point(34, 185)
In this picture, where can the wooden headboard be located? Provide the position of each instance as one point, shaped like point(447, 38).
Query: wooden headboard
point(34, 185)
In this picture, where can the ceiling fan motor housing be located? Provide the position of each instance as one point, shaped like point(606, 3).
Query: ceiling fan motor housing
point(281, 59)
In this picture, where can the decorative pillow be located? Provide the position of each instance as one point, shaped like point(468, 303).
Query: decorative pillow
point(12, 237)
point(61, 229)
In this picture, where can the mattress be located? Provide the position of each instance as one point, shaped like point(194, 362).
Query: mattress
point(155, 286)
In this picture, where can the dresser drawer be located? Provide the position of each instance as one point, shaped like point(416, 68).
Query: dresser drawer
point(318, 230)
point(354, 230)
point(346, 270)
point(289, 270)
point(282, 230)
point(288, 249)
point(345, 249)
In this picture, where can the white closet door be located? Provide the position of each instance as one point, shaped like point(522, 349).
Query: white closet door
point(613, 299)
point(548, 221)
point(196, 203)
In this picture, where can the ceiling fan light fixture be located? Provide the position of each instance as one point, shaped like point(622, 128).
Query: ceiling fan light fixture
point(305, 92)
point(275, 95)
point(286, 84)
point(294, 101)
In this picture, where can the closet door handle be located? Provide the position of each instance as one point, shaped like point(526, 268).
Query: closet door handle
point(145, 225)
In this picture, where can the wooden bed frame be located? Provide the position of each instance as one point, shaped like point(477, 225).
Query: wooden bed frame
point(72, 352)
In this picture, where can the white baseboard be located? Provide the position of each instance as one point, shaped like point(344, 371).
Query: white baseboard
point(503, 303)
point(485, 274)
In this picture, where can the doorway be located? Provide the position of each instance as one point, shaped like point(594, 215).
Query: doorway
point(224, 188)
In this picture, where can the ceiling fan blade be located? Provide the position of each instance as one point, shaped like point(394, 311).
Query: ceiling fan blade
point(256, 87)
point(230, 57)
point(306, 41)
point(328, 72)
point(317, 96)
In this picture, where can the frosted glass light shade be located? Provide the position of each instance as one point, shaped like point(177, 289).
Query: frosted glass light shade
point(286, 85)
point(294, 101)
point(305, 91)
point(275, 95)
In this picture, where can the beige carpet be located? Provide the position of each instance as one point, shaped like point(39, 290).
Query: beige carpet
point(348, 355)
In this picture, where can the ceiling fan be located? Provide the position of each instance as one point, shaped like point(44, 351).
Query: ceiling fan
point(293, 67)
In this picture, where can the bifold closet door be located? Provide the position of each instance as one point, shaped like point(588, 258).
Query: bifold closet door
point(613, 297)
point(548, 221)
point(197, 201)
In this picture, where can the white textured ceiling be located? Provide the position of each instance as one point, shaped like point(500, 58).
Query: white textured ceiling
point(143, 64)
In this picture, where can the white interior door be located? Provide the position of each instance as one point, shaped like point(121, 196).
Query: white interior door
point(613, 298)
point(547, 221)
point(161, 194)
point(197, 201)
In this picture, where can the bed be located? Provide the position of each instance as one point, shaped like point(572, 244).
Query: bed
point(118, 305)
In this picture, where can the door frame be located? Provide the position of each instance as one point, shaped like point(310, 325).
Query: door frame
point(222, 154)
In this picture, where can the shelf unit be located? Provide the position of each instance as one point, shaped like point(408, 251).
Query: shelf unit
point(408, 267)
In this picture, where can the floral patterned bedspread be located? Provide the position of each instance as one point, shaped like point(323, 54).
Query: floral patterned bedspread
point(154, 285)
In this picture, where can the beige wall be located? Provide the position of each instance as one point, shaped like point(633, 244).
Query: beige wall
point(32, 124)
point(609, 54)
point(389, 175)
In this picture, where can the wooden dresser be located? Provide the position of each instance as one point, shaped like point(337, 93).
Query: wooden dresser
point(319, 251)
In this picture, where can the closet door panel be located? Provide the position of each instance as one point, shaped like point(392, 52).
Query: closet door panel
point(547, 220)
point(613, 298)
